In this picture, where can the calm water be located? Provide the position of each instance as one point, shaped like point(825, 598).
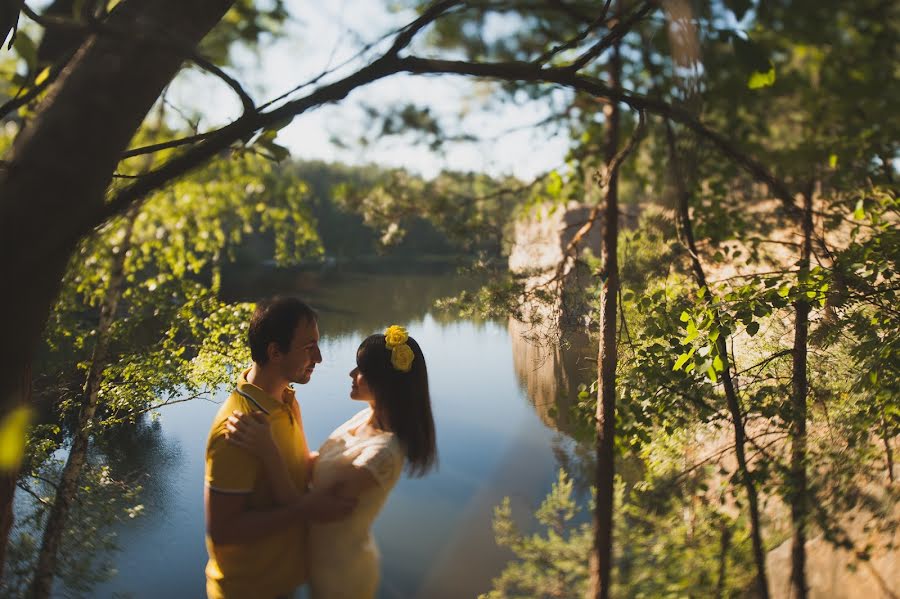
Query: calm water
point(496, 437)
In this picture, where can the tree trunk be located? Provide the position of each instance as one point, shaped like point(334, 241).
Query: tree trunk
point(731, 398)
point(602, 550)
point(66, 489)
point(9, 18)
point(799, 388)
point(724, 546)
point(888, 450)
point(62, 163)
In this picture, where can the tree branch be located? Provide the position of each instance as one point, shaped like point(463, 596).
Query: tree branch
point(162, 38)
point(405, 37)
point(219, 140)
point(603, 180)
point(546, 56)
point(615, 34)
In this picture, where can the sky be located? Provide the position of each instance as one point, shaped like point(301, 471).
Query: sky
point(323, 35)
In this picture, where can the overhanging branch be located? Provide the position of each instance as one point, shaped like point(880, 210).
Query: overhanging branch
point(390, 64)
point(168, 41)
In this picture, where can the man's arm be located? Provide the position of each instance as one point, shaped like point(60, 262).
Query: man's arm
point(252, 432)
point(230, 475)
point(229, 521)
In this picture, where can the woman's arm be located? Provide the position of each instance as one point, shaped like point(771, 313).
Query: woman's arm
point(253, 433)
point(376, 465)
point(351, 481)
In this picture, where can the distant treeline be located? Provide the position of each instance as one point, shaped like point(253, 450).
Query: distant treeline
point(370, 212)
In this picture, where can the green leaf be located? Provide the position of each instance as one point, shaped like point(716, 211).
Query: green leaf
point(685, 316)
point(753, 328)
point(554, 185)
point(859, 212)
point(711, 373)
point(760, 79)
point(680, 361)
point(832, 161)
point(13, 435)
point(42, 76)
point(718, 365)
point(26, 49)
point(692, 332)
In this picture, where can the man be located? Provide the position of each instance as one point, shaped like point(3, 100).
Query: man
point(256, 547)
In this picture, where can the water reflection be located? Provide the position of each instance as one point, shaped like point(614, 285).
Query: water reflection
point(359, 303)
point(550, 372)
point(136, 454)
point(497, 436)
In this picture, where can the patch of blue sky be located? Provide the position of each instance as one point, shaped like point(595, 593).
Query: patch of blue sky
point(322, 36)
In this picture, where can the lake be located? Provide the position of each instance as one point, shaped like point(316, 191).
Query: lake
point(493, 396)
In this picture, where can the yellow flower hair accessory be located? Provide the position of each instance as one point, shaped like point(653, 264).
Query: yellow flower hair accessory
point(402, 355)
point(395, 335)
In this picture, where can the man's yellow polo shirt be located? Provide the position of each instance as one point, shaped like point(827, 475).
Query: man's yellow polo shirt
point(275, 564)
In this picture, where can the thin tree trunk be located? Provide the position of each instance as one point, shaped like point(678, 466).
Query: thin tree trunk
point(62, 162)
point(731, 398)
point(724, 546)
point(799, 390)
point(602, 550)
point(67, 487)
point(888, 450)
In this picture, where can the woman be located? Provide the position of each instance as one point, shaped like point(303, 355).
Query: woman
point(364, 457)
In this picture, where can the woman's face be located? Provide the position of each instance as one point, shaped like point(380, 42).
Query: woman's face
point(359, 389)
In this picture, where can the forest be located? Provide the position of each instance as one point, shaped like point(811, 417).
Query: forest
point(727, 264)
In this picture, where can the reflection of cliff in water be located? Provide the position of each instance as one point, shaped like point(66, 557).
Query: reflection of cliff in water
point(550, 372)
point(357, 302)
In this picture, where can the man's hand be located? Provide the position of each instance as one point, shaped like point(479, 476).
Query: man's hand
point(327, 505)
point(251, 432)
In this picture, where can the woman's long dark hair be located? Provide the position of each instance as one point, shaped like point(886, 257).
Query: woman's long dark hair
point(402, 399)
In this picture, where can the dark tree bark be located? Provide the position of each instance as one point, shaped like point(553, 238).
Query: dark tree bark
point(9, 17)
point(58, 44)
point(56, 175)
point(602, 550)
point(797, 485)
point(731, 398)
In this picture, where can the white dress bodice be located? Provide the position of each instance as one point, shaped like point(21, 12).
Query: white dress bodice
point(343, 556)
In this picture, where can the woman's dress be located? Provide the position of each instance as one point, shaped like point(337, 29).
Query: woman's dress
point(343, 558)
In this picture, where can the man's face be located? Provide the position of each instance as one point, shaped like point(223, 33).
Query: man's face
point(298, 363)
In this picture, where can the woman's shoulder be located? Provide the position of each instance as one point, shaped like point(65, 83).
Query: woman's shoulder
point(382, 454)
point(351, 423)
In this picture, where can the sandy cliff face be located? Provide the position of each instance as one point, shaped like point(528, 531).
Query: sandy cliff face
point(551, 376)
point(836, 573)
point(541, 236)
point(540, 239)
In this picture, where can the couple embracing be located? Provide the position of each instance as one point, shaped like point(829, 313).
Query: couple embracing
point(279, 516)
